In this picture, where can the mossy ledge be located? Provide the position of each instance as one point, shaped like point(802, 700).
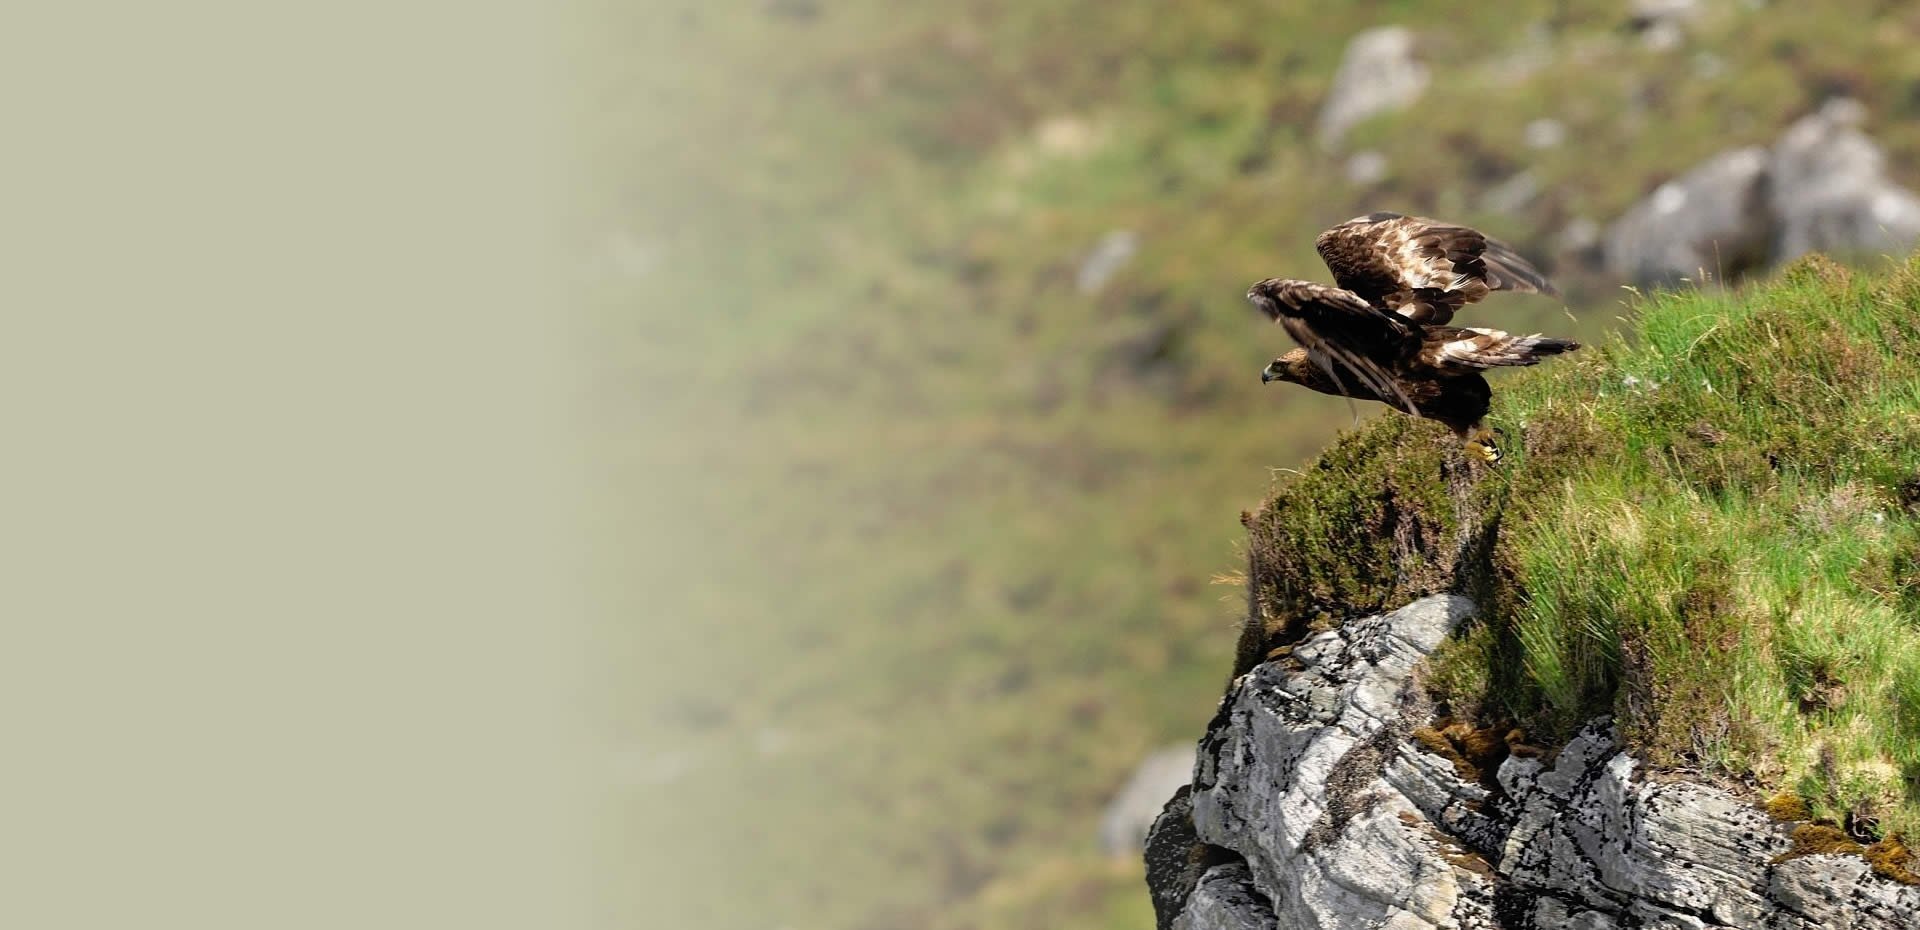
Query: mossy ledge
point(1708, 527)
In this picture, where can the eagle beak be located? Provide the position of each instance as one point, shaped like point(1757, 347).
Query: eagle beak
point(1266, 375)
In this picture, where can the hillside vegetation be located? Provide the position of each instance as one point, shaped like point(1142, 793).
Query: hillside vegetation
point(1709, 528)
point(911, 534)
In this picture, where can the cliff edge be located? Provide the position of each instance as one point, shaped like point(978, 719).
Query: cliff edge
point(1662, 669)
point(1316, 803)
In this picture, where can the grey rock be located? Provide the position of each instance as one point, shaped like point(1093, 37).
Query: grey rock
point(1553, 912)
point(1662, 24)
point(1663, 35)
point(1830, 190)
point(1377, 74)
point(1715, 219)
point(1108, 256)
point(1511, 195)
point(1647, 11)
point(1292, 779)
point(1175, 859)
point(1821, 187)
point(1225, 899)
point(1545, 133)
point(1366, 168)
point(1322, 812)
point(1580, 240)
point(1123, 827)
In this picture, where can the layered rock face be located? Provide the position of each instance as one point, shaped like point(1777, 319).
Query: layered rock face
point(1313, 807)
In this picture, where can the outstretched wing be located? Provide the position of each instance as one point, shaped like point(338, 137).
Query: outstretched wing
point(1458, 351)
point(1340, 331)
point(1423, 269)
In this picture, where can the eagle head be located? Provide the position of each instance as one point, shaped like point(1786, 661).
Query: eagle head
point(1292, 366)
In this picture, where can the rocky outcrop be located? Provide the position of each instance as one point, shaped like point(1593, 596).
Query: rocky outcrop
point(1105, 260)
point(1715, 219)
point(1830, 191)
point(1821, 187)
point(1663, 24)
point(1314, 806)
point(1377, 74)
point(1225, 898)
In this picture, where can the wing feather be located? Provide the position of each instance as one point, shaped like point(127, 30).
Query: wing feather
point(1340, 331)
point(1423, 269)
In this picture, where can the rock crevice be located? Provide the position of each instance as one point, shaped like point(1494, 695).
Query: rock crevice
point(1312, 807)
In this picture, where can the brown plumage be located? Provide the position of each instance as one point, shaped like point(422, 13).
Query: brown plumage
point(1381, 334)
point(1423, 269)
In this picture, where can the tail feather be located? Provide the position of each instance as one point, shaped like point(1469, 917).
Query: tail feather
point(1473, 349)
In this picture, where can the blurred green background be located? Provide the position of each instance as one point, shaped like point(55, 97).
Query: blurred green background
point(921, 527)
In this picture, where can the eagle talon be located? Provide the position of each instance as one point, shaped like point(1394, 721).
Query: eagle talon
point(1480, 445)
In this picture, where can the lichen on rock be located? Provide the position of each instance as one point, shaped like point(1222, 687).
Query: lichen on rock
point(1315, 806)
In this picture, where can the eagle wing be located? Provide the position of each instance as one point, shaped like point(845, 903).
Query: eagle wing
point(1340, 331)
point(1423, 269)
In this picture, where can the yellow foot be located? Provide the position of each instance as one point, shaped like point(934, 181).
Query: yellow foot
point(1483, 451)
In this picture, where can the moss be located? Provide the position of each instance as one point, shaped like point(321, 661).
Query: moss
point(1435, 742)
point(1813, 839)
point(1787, 806)
point(1476, 752)
point(1519, 745)
point(1378, 520)
point(1484, 747)
point(1892, 858)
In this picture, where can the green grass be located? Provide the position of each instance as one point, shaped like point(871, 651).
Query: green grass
point(1709, 529)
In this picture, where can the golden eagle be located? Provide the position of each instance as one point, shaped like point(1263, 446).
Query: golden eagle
point(1382, 334)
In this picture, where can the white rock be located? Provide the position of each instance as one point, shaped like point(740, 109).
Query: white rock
point(1225, 899)
point(1662, 24)
point(1713, 220)
point(1579, 235)
point(1513, 194)
point(1366, 168)
point(1821, 187)
point(1342, 822)
point(1545, 133)
point(1108, 256)
point(1830, 191)
point(1377, 74)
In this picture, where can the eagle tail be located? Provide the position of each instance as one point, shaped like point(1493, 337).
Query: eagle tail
point(1491, 348)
